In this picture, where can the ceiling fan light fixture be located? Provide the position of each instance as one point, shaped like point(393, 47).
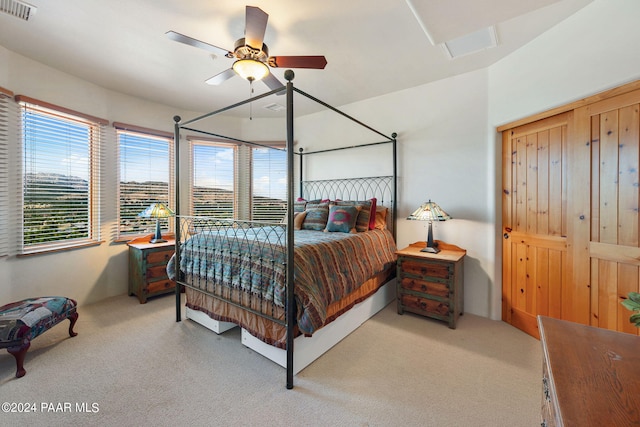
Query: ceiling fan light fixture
point(250, 69)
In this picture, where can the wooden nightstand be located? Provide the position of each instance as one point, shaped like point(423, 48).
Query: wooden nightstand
point(429, 284)
point(148, 267)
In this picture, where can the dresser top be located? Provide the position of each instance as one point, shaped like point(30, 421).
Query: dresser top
point(595, 373)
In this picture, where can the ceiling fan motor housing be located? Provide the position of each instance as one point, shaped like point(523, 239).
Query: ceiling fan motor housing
point(244, 51)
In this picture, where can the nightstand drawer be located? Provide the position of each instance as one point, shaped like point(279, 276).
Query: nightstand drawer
point(425, 286)
point(162, 285)
point(156, 272)
point(159, 257)
point(412, 303)
point(431, 269)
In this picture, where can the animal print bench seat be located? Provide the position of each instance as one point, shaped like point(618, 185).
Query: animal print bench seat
point(22, 321)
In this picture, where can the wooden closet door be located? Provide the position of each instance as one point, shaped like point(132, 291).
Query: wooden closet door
point(605, 248)
point(534, 218)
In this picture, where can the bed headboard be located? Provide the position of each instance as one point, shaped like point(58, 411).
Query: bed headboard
point(380, 187)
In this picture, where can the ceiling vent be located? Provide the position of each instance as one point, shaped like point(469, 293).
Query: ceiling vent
point(274, 107)
point(471, 43)
point(18, 9)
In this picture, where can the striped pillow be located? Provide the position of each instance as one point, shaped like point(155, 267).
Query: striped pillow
point(316, 218)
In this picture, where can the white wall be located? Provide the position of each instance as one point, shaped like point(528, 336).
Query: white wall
point(594, 50)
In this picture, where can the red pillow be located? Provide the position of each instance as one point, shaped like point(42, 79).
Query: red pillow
point(372, 218)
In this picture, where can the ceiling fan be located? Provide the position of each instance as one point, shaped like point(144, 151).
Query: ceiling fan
point(251, 53)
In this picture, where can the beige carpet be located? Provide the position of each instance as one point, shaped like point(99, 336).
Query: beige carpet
point(133, 365)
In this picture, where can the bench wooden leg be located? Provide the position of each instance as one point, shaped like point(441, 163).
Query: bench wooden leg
point(19, 353)
point(73, 318)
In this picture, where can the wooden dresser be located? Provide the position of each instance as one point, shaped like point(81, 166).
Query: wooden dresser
point(431, 284)
point(591, 376)
point(148, 268)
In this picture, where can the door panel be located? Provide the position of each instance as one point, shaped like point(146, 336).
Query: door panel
point(534, 221)
point(615, 136)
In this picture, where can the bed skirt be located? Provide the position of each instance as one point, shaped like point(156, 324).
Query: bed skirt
point(274, 333)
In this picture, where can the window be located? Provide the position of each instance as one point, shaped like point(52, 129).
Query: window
point(223, 175)
point(61, 177)
point(145, 177)
point(269, 181)
point(213, 179)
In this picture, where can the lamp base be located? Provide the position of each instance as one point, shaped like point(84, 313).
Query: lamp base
point(157, 238)
point(432, 247)
point(430, 250)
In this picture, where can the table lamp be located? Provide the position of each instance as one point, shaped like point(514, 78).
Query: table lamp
point(157, 211)
point(430, 211)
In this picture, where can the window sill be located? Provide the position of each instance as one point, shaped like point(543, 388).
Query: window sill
point(48, 250)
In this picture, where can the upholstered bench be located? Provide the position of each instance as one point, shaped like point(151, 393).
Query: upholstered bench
point(22, 321)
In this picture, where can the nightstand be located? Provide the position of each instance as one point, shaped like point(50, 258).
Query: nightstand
point(431, 285)
point(148, 268)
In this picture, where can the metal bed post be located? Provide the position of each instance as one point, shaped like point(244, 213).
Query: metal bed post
point(394, 204)
point(176, 145)
point(291, 310)
point(300, 150)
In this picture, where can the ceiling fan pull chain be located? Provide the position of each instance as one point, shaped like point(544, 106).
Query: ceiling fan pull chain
point(250, 96)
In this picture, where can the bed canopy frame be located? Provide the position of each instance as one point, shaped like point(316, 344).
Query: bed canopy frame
point(330, 186)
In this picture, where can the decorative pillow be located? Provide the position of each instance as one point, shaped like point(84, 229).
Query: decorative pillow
point(318, 204)
point(381, 217)
point(316, 219)
point(298, 219)
point(342, 219)
point(372, 214)
point(299, 205)
point(302, 199)
point(362, 223)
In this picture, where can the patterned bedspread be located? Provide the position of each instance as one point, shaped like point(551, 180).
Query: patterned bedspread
point(328, 266)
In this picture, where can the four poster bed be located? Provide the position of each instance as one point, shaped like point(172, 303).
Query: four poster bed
point(336, 243)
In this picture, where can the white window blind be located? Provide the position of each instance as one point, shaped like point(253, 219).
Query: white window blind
point(269, 183)
point(8, 137)
point(213, 177)
point(145, 177)
point(61, 178)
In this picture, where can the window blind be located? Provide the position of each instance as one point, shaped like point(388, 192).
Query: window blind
point(8, 137)
point(60, 178)
point(145, 177)
point(213, 176)
point(269, 184)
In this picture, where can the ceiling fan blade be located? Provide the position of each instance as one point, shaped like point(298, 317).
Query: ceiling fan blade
point(318, 62)
point(255, 26)
point(273, 82)
point(221, 77)
point(197, 43)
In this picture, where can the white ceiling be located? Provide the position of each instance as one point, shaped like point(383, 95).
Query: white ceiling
point(372, 48)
